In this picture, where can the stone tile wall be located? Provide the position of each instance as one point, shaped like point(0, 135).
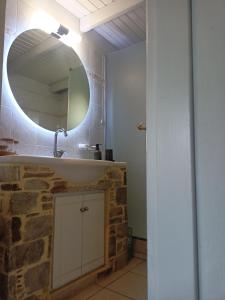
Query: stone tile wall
point(26, 226)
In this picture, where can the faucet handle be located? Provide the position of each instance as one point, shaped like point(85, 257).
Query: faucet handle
point(60, 153)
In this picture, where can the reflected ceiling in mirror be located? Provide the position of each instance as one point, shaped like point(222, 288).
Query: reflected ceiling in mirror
point(48, 80)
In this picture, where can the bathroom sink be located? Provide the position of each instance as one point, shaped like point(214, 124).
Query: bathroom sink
point(73, 169)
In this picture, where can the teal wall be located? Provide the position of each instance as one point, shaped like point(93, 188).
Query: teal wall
point(126, 106)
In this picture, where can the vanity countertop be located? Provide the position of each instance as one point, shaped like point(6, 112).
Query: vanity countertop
point(48, 160)
point(73, 169)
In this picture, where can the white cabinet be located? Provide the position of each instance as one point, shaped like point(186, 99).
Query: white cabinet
point(78, 236)
point(93, 232)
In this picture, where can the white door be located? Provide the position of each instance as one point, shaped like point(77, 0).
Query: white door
point(67, 240)
point(93, 232)
point(209, 102)
point(172, 255)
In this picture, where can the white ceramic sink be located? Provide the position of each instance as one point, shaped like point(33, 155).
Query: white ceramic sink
point(74, 169)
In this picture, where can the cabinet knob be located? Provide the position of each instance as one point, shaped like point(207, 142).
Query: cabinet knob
point(83, 209)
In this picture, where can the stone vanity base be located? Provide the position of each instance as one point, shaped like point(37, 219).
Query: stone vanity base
point(26, 226)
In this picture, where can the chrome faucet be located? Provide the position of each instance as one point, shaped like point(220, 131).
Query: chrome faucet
point(58, 153)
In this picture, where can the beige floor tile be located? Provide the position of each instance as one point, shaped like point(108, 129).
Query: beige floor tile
point(131, 285)
point(140, 269)
point(108, 295)
point(111, 278)
point(116, 275)
point(133, 263)
point(87, 293)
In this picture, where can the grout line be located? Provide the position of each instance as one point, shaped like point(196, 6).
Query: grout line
point(113, 280)
point(119, 293)
point(106, 287)
point(115, 292)
point(140, 262)
point(125, 272)
point(138, 274)
point(95, 293)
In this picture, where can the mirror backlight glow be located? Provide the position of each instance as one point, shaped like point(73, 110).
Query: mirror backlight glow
point(48, 80)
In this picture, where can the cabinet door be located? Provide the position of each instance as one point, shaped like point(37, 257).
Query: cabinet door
point(93, 232)
point(67, 240)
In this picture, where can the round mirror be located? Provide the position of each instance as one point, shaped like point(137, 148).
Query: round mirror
point(48, 80)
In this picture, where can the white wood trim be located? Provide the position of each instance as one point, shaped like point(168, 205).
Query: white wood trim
point(106, 14)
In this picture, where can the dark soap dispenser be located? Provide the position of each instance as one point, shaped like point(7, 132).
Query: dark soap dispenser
point(97, 153)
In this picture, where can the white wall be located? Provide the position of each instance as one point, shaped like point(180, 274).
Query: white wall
point(209, 86)
point(171, 208)
point(2, 29)
point(33, 139)
point(126, 107)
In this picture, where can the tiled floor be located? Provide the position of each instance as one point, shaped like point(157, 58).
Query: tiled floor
point(128, 283)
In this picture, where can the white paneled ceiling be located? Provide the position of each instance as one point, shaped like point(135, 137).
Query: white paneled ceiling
point(121, 31)
point(125, 30)
point(81, 8)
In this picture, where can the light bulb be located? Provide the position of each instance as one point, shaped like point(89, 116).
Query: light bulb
point(42, 20)
point(71, 38)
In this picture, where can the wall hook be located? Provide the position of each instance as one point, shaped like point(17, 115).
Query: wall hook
point(141, 126)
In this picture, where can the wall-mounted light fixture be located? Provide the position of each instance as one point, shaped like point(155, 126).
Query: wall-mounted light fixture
point(44, 21)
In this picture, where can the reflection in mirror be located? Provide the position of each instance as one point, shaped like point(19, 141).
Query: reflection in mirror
point(48, 80)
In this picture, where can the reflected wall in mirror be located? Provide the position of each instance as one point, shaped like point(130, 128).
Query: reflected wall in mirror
point(48, 80)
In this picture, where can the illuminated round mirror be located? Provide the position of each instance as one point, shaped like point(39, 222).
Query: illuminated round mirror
point(48, 80)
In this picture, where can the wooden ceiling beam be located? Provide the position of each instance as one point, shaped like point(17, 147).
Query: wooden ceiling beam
point(107, 13)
